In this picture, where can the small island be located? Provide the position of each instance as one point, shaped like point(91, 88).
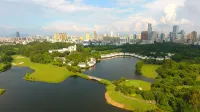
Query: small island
point(2, 91)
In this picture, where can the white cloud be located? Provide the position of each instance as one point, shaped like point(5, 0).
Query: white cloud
point(76, 16)
point(158, 5)
point(128, 2)
point(62, 5)
point(170, 12)
point(64, 26)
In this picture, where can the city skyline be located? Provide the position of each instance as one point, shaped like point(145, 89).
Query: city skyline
point(75, 17)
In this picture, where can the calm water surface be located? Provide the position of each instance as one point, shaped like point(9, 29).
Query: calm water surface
point(72, 95)
point(114, 69)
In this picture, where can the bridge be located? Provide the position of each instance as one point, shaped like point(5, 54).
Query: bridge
point(94, 78)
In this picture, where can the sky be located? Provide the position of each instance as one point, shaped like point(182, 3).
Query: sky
point(75, 17)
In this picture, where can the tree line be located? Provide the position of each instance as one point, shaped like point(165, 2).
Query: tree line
point(175, 88)
point(6, 52)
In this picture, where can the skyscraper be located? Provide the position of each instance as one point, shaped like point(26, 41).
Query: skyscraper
point(87, 36)
point(162, 36)
point(95, 34)
point(182, 32)
point(192, 36)
point(60, 36)
point(134, 36)
point(175, 29)
point(17, 34)
point(174, 34)
point(111, 34)
point(149, 31)
point(144, 35)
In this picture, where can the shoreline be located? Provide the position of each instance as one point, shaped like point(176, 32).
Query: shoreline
point(41, 78)
point(112, 102)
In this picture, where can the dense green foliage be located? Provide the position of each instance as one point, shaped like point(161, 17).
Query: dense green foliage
point(5, 56)
point(123, 88)
point(190, 53)
point(130, 87)
point(175, 88)
point(73, 68)
point(166, 93)
point(38, 52)
point(103, 47)
point(4, 66)
point(139, 65)
point(29, 77)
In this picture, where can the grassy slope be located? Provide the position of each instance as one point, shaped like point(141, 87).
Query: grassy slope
point(149, 70)
point(2, 91)
point(129, 104)
point(138, 83)
point(198, 78)
point(43, 72)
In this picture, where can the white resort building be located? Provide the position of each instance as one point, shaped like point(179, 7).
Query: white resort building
point(70, 49)
point(103, 56)
point(92, 62)
point(82, 65)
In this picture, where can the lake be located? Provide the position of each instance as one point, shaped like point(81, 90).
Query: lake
point(115, 68)
point(72, 95)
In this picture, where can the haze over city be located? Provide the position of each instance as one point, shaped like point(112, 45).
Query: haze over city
point(75, 17)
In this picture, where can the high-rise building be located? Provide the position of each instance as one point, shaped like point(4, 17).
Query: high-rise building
point(154, 36)
point(60, 36)
point(87, 36)
point(174, 34)
point(149, 31)
point(138, 36)
point(95, 35)
point(131, 36)
point(182, 33)
point(162, 35)
point(81, 38)
point(134, 36)
point(17, 34)
point(111, 34)
point(144, 35)
point(192, 36)
point(176, 29)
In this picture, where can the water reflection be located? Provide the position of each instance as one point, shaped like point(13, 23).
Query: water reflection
point(73, 95)
point(115, 68)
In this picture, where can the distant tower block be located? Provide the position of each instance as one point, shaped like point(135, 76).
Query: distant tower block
point(17, 34)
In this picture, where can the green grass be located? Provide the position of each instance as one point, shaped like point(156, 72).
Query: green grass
point(82, 76)
point(43, 72)
point(2, 91)
point(138, 83)
point(198, 78)
point(129, 104)
point(105, 82)
point(149, 70)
